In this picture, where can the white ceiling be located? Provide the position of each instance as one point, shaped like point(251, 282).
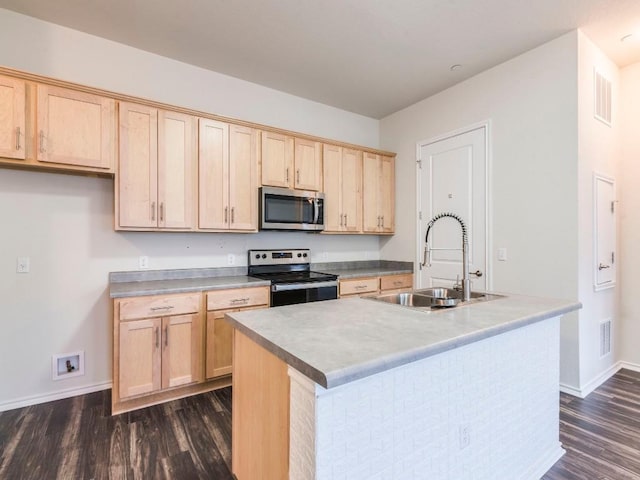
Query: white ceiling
point(372, 57)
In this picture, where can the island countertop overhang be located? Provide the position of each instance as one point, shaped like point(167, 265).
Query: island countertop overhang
point(340, 341)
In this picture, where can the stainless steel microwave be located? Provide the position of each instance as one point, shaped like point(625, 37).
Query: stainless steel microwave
point(284, 209)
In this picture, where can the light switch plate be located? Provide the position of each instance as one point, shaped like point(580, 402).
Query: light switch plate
point(502, 254)
point(143, 262)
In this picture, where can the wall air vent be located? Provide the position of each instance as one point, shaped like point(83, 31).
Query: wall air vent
point(602, 97)
point(605, 338)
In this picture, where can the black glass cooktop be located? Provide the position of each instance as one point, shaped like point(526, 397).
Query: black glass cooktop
point(295, 277)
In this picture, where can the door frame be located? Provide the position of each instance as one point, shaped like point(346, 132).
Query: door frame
point(486, 124)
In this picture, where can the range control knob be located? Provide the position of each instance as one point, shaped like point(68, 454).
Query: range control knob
point(264, 255)
point(304, 255)
point(257, 255)
point(299, 255)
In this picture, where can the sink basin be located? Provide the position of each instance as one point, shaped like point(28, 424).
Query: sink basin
point(406, 299)
point(434, 297)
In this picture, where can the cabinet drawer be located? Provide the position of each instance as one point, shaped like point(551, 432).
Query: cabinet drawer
point(392, 282)
point(237, 297)
point(159, 305)
point(358, 286)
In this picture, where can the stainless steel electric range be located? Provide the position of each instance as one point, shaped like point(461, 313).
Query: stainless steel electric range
point(292, 280)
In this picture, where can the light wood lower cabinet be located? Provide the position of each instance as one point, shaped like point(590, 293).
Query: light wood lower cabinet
point(219, 334)
point(354, 287)
point(158, 349)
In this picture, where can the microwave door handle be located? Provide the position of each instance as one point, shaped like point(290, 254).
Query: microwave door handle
point(316, 211)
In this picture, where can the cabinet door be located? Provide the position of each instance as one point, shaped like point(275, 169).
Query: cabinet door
point(332, 166)
point(277, 160)
point(351, 190)
point(12, 118)
point(243, 182)
point(308, 165)
point(219, 358)
point(213, 174)
point(370, 189)
point(176, 168)
point(181, 350)
point(137, 173)
point(386, 194)
point(75, 128)
point(140, 358)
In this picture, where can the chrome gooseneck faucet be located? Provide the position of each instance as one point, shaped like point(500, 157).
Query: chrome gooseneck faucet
point(466, 282)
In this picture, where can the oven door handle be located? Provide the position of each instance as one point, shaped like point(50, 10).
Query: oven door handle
point(283, 287)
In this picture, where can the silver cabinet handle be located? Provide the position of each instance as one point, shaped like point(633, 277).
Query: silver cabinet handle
point(287, 174)
point(166, 307)
point(233, 214)
point(166, 336)
point(298, 176)
point(360, 287)
point(240, 300)
point(161, 211)
point(226, 214)
point(378, 220)
point(345, 219)
point(603, 266)
point(157, 337)
point(17, 138)
point(153, 211)
point(382, 221)
point(42, 149)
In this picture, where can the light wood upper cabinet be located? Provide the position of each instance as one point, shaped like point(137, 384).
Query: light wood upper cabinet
point(342, 187)
point(12, 118)
point(378, 193)
point(176, 170)
point(227, 176)
point(277, 160)
point(75, 128)
point(308, 165)
point(156, 176)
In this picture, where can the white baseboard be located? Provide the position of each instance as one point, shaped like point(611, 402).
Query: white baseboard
point(544, 464)
point(49, 397)
point(598, 380)
point(630, 366)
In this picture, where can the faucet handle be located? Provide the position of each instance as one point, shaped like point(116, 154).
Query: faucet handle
point(458, 284)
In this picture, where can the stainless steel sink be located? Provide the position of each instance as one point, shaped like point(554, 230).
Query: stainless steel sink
point(435, 297)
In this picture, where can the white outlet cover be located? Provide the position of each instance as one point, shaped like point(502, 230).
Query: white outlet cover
point(231, 259)
point(23, 264)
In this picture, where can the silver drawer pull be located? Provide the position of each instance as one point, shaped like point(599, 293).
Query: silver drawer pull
point(166, 307)
point(397, 282)
point(360, 287)
point(18, 147)
point(602, 266)
point(240, 300)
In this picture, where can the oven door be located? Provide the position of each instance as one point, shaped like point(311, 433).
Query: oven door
point(284, 209)
point(292, 293)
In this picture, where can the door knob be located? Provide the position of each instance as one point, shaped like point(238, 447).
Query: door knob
point(477, 273)
point(603, 266)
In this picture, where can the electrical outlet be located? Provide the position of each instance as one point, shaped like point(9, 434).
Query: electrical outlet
point(464, 436)
point(143, 262)
point(23, 264)
point(231, 259)
point(502, 254)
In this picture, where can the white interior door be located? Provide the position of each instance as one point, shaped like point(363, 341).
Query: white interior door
point(452, 178)
point(605, 232)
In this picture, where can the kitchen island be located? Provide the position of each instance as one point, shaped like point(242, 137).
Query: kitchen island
point(360, 389)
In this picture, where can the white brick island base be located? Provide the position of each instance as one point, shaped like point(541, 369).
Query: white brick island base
point(487, 410)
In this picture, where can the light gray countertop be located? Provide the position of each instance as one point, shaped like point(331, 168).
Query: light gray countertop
point(158, 282)
point(339, 341)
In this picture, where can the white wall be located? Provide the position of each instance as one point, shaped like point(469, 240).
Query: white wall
point(531, 102)
point(64, 223)
point(598, 151)
point(629, 267)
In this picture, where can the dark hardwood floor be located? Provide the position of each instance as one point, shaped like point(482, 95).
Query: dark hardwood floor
point(187, 439)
